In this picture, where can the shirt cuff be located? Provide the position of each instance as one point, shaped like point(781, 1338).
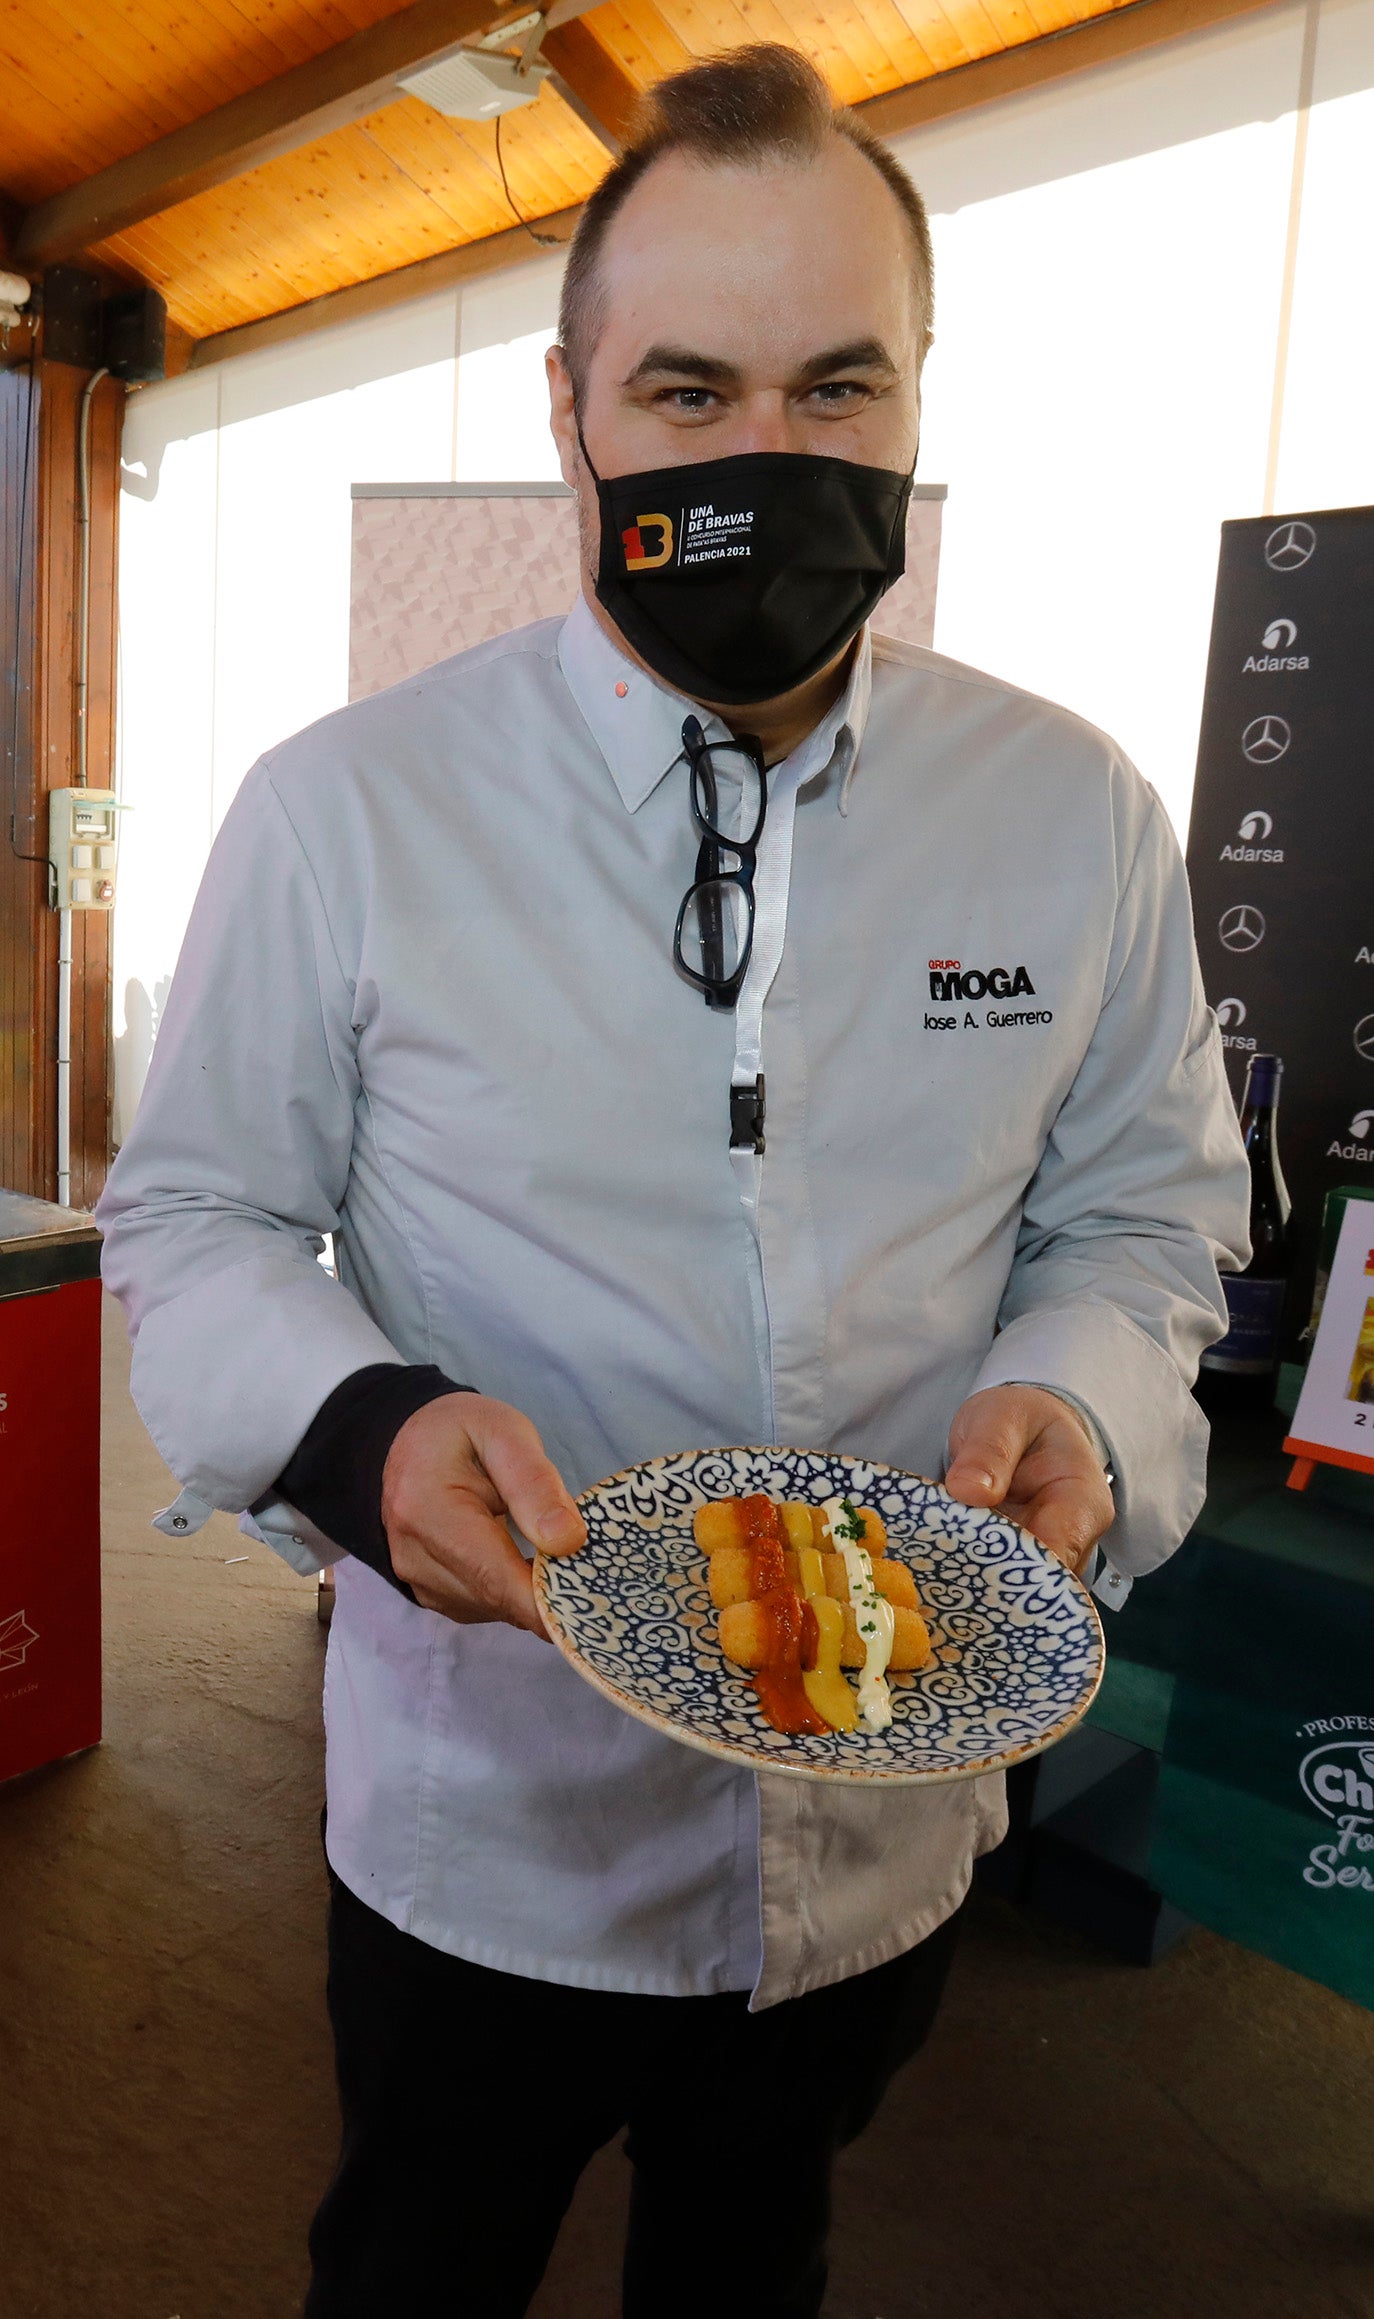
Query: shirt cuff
point(1110, 1585)
point(1080, 1410)
point(334, 1478)
point(1153, 1432)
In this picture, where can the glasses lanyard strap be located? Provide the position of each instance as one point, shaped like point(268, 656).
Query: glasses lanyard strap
point(772, 882)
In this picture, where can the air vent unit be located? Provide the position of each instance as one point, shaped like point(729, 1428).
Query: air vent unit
point(472, 87)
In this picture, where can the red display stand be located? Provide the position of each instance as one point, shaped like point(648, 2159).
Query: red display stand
point(49, 1483)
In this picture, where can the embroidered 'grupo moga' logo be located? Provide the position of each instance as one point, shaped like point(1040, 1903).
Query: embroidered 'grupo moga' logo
point(949, 980)
point(637, 555)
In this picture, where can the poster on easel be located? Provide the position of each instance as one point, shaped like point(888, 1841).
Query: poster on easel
point(1333, 1423)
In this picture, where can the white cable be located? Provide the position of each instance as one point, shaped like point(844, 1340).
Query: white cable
point(64, 1058)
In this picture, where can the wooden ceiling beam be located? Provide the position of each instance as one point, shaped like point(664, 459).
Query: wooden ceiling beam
point(588, 78)
point(331, 91)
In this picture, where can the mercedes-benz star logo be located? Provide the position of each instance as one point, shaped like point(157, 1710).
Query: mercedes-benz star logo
point(1288, 546)
point(1364, 1037)
point(1266, 739)
point(1243, 929)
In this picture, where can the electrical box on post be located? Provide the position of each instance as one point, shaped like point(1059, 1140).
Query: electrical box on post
point(81, 847)
point(134, 335)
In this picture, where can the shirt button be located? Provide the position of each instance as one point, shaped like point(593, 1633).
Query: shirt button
point(621, 689)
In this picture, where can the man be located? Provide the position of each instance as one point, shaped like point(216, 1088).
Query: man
point(429, 1004)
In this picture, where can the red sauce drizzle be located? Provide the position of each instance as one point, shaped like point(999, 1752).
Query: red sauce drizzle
point(791, 1639)
point(765, 1539)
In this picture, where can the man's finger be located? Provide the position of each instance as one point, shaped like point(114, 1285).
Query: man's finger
point(1068, 1517)
point(986, 1453)
point(474, 1575)
point(530, 1485)
point(465, 1563)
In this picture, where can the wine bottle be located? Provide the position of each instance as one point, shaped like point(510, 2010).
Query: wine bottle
point(1239, 1372)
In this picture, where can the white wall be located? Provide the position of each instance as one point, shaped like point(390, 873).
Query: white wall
point(1111, 325)
point(1145, 312)
point(234, 566)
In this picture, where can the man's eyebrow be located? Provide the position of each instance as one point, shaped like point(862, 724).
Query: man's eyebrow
point(859, 354)
point(681, 362)
point(712, 370)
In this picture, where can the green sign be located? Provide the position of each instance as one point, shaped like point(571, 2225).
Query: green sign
point(1264, 1825)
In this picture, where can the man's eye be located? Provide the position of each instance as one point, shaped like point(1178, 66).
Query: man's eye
point(838, 394)
point(688, 400)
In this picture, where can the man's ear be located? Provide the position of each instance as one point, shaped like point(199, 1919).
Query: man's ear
point(563, 416)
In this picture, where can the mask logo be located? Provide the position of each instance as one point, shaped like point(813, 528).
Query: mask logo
point(635, 558)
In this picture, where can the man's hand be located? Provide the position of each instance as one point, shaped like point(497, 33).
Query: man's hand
point(1027, 1453)
point(455, 1468)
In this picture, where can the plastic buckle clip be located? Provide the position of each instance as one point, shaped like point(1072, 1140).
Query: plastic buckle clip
point(746, 1116)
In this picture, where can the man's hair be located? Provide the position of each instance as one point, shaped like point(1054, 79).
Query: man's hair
point(757, 104)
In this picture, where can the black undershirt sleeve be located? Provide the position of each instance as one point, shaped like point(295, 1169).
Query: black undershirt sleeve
point(335, 1473)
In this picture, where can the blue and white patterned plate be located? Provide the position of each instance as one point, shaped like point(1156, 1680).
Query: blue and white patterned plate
point(1018, 1643)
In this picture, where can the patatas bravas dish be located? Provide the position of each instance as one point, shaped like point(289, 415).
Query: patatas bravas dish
point(804, 1592)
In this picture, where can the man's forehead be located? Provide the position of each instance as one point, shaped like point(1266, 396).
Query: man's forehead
point(806, 254)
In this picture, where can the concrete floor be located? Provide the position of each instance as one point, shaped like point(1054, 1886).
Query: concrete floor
point(1081, 2139)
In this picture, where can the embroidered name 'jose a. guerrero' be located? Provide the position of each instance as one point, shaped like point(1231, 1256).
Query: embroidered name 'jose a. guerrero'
point(950, 979)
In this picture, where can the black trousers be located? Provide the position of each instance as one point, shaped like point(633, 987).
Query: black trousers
point(472, 2100)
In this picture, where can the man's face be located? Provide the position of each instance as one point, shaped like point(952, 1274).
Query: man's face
point(746, 310)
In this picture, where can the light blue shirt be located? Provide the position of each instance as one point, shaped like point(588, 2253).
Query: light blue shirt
point(426, 1004)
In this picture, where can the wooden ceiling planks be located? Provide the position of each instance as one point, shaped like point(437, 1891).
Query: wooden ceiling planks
point(639, 41)
point(865, 48)
point(400, 186)
point(102, 78)
point(98, 80)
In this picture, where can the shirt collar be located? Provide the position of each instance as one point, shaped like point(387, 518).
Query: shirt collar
point(636, 721)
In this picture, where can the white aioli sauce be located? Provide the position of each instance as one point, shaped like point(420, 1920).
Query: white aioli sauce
point(874, 1618)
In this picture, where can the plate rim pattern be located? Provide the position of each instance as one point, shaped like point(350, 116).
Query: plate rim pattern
point(754, 1756)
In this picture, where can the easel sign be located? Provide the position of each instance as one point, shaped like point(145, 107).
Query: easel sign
point(1333, 1423)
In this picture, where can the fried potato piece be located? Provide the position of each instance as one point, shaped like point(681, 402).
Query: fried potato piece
point(718, 1523)
point(799, 1520)
point(911, 1644)
point(721, 1523)
point(732, 1578)
point(874, 1539)
point(892, 1579)
point(744, 1630)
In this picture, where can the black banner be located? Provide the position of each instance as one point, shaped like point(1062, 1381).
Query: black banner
point(1281, 843)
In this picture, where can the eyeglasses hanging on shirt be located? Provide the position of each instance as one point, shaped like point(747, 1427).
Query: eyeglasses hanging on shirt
point(736, 580)
point(714, 934)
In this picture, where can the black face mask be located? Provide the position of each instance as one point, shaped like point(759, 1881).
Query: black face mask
point(736, 579)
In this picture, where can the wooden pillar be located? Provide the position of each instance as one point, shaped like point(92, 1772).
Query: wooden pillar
point(40, 407)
